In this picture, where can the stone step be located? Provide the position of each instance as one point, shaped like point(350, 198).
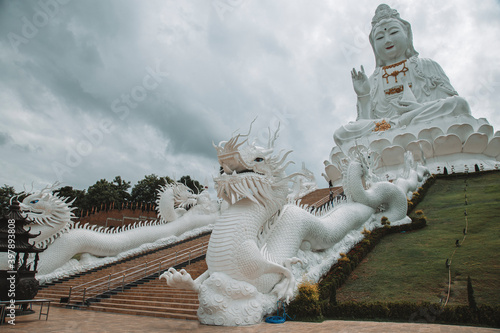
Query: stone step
point(140, 312)
point(152, 291)
point(136, 307)
point(161, 292)
point(154, 296)
point(55, 295)
point(165, 304)
point(153, 288)
point(145, 310)
point(188, 297)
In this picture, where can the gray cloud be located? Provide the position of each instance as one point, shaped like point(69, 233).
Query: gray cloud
point(282, 61)
point(4, 138)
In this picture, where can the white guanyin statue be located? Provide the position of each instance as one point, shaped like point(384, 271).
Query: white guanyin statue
point(404, 89)
point(409, 104)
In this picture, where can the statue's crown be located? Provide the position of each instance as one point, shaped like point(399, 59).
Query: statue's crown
point(382, 12)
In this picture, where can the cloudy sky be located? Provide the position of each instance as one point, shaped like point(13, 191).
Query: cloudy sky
point(98, 88)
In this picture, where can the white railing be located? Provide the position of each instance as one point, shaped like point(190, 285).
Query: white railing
point(120, 279)
point(325, 199)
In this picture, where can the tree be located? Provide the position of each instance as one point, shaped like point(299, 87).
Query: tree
point(80, 197)
point(122, 189)
point(146, 189)
point(194, 185)
point(104, 192)
point(6, 192)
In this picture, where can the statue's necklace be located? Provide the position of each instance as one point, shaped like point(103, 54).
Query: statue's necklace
point(395, 72)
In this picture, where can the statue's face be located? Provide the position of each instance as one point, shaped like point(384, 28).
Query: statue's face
point(390, 41)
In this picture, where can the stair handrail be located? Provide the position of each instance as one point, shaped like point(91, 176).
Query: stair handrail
point(115, 280)
point(326, 198)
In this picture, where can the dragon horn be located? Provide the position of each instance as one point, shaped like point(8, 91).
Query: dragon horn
point(272, 138)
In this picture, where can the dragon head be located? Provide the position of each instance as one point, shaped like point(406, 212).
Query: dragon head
point(46, 208)
point(174, 196)
point(49, 214)
point(251, 171)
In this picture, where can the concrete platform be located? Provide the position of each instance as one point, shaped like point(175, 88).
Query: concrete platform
point(65, 320)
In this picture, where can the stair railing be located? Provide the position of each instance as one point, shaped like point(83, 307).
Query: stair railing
point(120, 279)
point(326, 198)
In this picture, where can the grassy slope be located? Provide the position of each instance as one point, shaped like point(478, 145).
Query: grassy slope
point(411, 266)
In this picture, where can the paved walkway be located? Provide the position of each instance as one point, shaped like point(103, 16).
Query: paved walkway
point(65, 320)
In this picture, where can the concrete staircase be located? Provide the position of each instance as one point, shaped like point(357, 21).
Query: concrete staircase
point(152, 297)
point(58, 291)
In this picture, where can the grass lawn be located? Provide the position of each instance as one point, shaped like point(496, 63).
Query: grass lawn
point(411, 266)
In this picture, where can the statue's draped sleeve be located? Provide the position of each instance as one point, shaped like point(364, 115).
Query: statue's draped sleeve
point(434, 84)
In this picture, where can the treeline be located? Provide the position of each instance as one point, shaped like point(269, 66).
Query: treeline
point(115, 194)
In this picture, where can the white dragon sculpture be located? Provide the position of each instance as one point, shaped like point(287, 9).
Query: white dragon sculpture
point(260, 236)
point(174, 200)
point(52, 216)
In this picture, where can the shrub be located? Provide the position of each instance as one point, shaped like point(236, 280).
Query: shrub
point(306, 304)
point(344, 258)
point(416, 313)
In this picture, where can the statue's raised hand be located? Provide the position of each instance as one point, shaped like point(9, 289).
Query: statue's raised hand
point(360, 82)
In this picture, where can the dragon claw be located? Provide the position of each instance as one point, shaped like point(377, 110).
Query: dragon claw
point(291, 261)
point(179, 279)
point(284, 289)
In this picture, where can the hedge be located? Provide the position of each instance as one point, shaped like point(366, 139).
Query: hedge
point(415, 313)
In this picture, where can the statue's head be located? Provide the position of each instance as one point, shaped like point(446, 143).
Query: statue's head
point(388, 24)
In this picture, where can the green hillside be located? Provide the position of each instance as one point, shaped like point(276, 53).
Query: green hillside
point(411, 266)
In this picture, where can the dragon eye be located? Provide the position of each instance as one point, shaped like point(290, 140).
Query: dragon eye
point(34, 201)
point(259, 159)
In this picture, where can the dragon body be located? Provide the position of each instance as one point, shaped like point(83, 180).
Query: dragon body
point(51, 218)
point(260, 236)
